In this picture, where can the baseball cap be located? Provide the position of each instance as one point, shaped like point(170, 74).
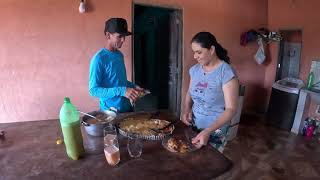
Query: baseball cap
point(117, 25)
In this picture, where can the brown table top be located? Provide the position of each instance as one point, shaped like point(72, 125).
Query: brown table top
point(29, 151)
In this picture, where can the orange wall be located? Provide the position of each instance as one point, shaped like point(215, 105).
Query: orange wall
point(46, 46)
point(297, 14)
point(292, 15)
point(292, 36)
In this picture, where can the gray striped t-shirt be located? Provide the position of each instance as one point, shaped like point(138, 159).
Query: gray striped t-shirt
point(207, 94)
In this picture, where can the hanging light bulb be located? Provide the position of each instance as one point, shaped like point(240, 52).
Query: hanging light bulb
point(82, 7)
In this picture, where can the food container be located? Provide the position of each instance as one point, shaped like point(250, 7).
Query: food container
point(182, 144)
point(92, 126)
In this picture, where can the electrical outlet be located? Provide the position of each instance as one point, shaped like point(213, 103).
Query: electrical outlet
point(318, 109)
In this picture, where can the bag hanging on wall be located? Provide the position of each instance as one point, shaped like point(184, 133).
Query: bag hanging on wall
point(260, 55)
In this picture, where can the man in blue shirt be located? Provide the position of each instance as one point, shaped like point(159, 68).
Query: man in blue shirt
point(107, 76)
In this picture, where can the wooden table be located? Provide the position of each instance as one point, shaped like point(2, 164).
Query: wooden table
point(29, 151)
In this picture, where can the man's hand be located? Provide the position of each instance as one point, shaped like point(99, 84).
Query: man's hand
point(132, 94)
point(140, 90)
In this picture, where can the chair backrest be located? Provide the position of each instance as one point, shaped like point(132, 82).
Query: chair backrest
point(236, 118)
point(233, 128)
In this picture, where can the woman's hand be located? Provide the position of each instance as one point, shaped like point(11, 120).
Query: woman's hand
point(187, 115)
point(187, 118)
point(201, 139)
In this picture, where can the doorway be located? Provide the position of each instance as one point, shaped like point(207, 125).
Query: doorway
point(289, 54)
point(157, 54)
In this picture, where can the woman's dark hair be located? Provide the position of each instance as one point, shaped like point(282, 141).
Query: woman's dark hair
point(206, 40)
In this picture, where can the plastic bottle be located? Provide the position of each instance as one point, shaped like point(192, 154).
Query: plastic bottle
point(70, 125)
point(310, 80)
point(309, 132)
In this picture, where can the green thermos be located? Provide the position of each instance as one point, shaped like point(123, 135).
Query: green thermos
point(310, 80)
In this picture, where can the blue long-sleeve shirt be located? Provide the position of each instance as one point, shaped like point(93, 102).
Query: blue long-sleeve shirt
point(108, 80)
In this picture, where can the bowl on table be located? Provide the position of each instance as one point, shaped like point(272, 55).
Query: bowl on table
point(94, 127)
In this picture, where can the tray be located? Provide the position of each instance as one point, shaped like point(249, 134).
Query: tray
point(154, 137)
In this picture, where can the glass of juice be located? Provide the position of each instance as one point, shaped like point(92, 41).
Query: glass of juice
point(111, 145)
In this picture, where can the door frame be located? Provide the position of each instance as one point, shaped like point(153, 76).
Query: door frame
point(280, 52)
point(181, 49)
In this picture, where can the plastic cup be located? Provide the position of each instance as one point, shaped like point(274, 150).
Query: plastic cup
point(134, 147)
point(111, 145)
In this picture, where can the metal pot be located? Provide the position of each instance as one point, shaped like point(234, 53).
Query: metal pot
point(95, 129)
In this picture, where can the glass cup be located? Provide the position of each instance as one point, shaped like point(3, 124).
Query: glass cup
point(111, 145)
point(134, 147)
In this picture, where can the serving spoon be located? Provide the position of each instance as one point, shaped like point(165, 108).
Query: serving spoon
point(100, 120)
